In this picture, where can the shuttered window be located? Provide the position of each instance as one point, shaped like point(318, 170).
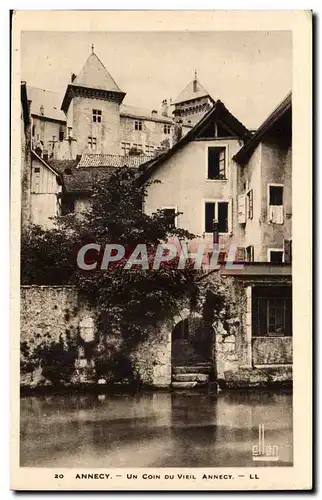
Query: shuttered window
point(219, 211)
point(216, 163)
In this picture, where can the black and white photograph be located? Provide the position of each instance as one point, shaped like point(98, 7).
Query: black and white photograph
point(156, 256)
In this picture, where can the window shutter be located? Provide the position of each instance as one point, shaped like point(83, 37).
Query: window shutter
point(250, 253)
point(241, 209)
point(250, 204)
point(241, 257)
point(222, 170)
point(288, 251)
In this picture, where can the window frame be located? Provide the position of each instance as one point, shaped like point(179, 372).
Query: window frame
point(172, 207)
point(97, 114)
point(219, 146)
point(272, 184)
point(216, 201)
point(138, 125)
point(91, 144)
point(269, 250)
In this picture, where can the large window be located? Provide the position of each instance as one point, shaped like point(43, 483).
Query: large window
point(216, 211)
point(272, 311)
point(216, 163)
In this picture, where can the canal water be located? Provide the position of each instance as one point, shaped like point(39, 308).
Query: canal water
point(158, 429)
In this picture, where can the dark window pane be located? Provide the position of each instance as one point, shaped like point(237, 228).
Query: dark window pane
point(209, 216)
point(170, 213)
point(276, 195)
point(223, 217)
point(216, 163)
point(276, 256)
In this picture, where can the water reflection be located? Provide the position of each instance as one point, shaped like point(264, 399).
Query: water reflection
point(153, 429)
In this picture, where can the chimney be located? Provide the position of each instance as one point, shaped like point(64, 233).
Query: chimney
point(73, 77)
point(42, 110)
point(165, 107)
point(195, 82)
point(154, 113)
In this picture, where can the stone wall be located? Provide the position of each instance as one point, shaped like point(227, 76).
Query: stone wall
point(59, 312)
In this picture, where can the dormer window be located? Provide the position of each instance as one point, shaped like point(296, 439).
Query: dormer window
point(97, 115)
point(137, 125)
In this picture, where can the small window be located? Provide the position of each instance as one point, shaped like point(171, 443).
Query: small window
point(250, 253)
point(276, 256)
point(97, 115)
point(92, 143)
point(37, 170)
point(126, 146)
point(216, 163)
point(216, 211)
point(167, 129)
point(137, 125)
point(33, 130)
point(170, 213)
point(61, 133)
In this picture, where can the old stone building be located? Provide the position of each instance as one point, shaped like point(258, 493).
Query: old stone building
point(227, 182)
point(91, 117)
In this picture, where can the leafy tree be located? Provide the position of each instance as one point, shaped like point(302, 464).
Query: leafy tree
point(130, 299)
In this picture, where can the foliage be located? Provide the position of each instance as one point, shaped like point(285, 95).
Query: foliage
point(47, 256)
point(131, 299)
point(55, 358)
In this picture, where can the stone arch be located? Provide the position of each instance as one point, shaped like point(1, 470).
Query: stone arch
point(191, 338)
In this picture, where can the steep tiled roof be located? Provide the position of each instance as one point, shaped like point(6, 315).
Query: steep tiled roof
point(79, 180)
point(247, 150)
point(61, 165)
point(219, 110)
point(105, 160)
point(143, 113)
point(49, 100)
point(193, 90)
point(95, 75)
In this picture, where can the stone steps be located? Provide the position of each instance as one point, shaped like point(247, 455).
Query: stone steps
point(188, 376)
point(192, 368)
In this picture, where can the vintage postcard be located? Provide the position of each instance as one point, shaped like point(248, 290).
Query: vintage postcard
point(161, 250)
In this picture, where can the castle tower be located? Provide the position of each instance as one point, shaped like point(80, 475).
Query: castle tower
point(92, 107)
point(192, 103)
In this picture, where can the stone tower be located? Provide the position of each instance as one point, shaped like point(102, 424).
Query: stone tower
point(92, 107)
point(192, 103)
